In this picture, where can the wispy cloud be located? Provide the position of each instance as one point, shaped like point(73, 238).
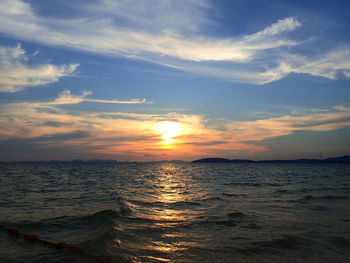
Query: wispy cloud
point(132, 101)
point(328, 65)
point(170, 33)
point(153, 15)
point(17, 74)
point(112, 36)
point(281, 26)
point(313, 120)
point(66, 97)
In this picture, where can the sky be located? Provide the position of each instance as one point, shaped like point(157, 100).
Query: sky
point(135, 80)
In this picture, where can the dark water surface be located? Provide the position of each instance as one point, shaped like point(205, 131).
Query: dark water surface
point(177, 212)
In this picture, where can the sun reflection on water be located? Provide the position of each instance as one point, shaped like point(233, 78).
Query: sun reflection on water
point(171, 194)
point(162, 207)
point(171, 186)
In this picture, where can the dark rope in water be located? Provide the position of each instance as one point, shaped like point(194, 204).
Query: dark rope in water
point(59, 245)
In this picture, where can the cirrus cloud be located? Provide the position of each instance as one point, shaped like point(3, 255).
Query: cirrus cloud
point(66, 97)
point(159, 33)
point(17, 74)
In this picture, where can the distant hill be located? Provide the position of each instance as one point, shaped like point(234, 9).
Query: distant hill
point(94, 161)
point(75, 161)
point(341, 159)
point(221, 160)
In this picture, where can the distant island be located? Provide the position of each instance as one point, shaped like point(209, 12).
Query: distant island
point(71, 161)
point(341, 159)
point(95, 161)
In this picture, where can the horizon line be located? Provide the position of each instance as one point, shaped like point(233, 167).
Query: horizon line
point(116, 161)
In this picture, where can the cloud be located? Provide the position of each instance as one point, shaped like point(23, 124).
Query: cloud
point(132, 101)
point(50, 125)
point(314, 120)
point(66, 97)
point(105, 133)
point(110, 35)
point(171, 33)
point(328, 65)
point(207, 143)
point(281, 26)
point(153, 15)
point(17, 74)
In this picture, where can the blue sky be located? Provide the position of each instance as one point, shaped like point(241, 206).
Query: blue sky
point(161, 79)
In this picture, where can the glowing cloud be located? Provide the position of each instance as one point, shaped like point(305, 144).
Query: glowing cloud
point(168, 131)
point(151, 136)
point(317, 120)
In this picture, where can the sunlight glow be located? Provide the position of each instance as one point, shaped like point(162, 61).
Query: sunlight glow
point(168, 130)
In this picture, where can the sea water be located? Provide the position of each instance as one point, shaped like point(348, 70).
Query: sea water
point(177, 212)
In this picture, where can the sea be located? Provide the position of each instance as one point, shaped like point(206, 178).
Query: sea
point(175, 212)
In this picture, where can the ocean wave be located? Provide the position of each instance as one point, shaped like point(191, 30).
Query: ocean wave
point(104, 215)
point(285, 242)
point(127, 212)
point(319, 208)
point(60, 224)
point(319, 189)
point(339, 241)
point(238, 218)
point(233, 194)
point(282, 191)
point(323, 197)
point(174, 205)
point(249, 184)
point(124, 208)
point(182, 204)
point(230, 220)
point(210, 199)
point(94, 233)
point(237, 215)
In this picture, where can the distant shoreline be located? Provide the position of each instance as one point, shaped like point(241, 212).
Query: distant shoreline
point(341, 159)
point(78, 161)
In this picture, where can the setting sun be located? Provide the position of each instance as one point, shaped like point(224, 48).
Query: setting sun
point(168, 130)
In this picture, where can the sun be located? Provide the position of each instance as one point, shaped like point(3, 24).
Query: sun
point(168, 130)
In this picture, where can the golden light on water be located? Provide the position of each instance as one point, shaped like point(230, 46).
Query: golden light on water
point(170, 191)
point(168, 130)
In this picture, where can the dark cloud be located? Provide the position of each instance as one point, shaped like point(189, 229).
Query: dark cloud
point(322, 122)
point(129, 138)
point(64, 136)
point(154, 155)
point(39, 147)
point(54, 124)
point(209, 143)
